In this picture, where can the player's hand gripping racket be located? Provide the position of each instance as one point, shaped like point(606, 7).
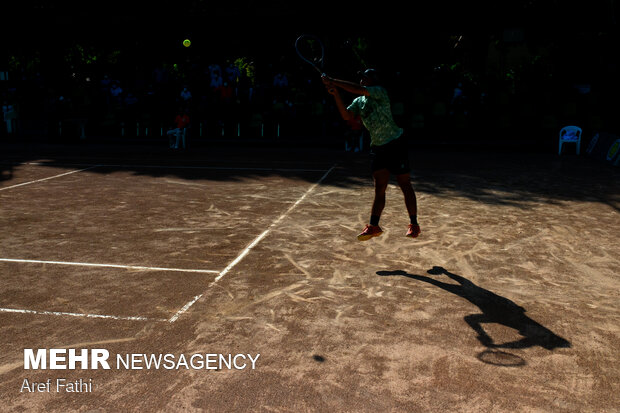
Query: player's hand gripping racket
point(310, 49)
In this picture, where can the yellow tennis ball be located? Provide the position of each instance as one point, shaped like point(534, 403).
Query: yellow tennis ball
point(187, 42)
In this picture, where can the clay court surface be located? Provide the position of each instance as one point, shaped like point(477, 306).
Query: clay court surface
point(509, 301)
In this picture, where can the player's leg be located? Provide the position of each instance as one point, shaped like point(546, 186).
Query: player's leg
point(404, 181)
point(171, 137)
point(399, 166)
point(178, 138)
point(381, 179)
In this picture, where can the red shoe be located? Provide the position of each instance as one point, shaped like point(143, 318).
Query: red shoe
point(413, 231)
point(369, 232)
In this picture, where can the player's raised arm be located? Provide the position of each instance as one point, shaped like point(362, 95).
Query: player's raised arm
point(356, 89)
point(342, 109)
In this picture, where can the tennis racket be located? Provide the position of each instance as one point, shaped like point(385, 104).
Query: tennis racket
point(311, 50)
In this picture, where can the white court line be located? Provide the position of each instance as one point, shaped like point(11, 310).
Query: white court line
point(62, 313)
point(48, 178)
point(186, 307)
point(213, 168)
point(250, 246)
point(88, 264)
point(84, 264)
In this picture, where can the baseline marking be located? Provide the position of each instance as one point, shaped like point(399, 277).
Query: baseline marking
point(213, 168)
point(62, 313)
point(186, 307)
point(48, 178)
point(148, 166)
point(87, 264)
point(247, 249)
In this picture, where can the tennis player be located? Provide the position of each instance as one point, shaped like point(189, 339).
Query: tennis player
point(388, 148)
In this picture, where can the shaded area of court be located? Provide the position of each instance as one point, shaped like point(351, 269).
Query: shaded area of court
point(112, 215)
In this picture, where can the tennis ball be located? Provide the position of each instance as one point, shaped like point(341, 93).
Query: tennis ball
point(187, 42)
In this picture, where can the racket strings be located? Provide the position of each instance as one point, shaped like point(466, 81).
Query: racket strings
point(311, 50)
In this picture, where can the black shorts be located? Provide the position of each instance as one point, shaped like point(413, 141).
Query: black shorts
point(393, 156)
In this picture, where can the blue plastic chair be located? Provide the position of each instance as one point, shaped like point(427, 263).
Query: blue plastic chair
point(571, 134)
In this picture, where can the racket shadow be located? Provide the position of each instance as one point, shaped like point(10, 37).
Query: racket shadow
point(494, 309)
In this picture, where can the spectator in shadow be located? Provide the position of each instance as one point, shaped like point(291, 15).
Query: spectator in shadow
point(176, 134)
point(457, 103)
point(116, 91)
point(280, 80)
point(495, 309)
point(105, 84)
point(186, 95)
point(215, 73)
point(232, 74)
point(9, 115)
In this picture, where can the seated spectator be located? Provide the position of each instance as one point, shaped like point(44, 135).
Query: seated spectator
point(215, 74)
point(130, 100)
point(9, 113)
point(226, 93)
point(116, 92)
point(216, 81)
point(105, 84)
point(232, 74)
point(186, 95)
point(280, 80)
point(181, 121)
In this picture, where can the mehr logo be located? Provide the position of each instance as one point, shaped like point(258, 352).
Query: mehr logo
point(63, 359)
point(93, 359)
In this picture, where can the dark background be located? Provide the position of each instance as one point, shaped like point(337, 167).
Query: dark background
point(526, 67)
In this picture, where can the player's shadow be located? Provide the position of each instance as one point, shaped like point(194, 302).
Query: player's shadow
point(495, 309)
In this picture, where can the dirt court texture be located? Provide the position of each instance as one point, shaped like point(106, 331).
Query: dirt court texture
point(507, 302)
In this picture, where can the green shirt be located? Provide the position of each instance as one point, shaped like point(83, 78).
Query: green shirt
point(376, 115)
